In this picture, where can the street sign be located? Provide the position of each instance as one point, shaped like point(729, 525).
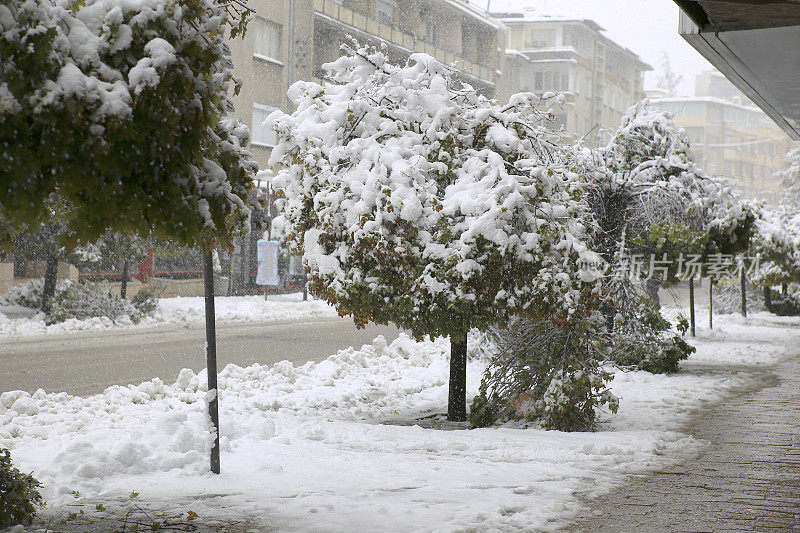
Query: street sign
point(267, 262)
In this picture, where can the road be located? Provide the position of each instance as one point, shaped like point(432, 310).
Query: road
point(88, 363)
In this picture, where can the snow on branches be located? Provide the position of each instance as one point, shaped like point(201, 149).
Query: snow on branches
point(644, 185)
point(118, 106)
point(418, 201)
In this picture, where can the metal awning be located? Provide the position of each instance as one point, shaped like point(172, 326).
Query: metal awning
point(756, 45)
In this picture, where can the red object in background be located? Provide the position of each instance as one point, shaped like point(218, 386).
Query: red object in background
point(146, 268)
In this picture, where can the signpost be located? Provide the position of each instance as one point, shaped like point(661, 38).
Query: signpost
point(267, 264)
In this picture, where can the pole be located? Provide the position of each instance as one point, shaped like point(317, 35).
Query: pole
point(123, 289)
point(710, 303)
point(211, 355)
point(744, 293)
point(691, 305)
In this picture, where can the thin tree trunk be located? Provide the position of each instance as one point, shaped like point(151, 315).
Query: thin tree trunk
point(231, 274)
point(123, 290)
point(305, 288)
point(50, 278)
point(767, 297)
point(651, 286)
point(742, 283)
point(457, 394)
point(691, 306)
point(785, 289)
point(710, 303)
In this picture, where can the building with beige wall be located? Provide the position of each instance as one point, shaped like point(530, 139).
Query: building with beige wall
point(290, 40)
point(599, 78)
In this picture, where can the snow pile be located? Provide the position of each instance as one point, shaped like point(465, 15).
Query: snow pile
point(302, 444)
point(182, 311)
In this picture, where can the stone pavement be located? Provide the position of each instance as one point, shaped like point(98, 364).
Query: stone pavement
point(746, 479)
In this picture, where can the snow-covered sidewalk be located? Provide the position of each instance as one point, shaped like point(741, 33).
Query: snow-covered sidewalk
point(179, 311)
point(321, 447)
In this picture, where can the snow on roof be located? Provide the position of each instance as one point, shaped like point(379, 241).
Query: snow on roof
point(475, 12)
point(706, 99)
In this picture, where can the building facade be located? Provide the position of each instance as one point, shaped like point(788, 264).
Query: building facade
point(731, 137)
point(599, 78)
point(290, 40)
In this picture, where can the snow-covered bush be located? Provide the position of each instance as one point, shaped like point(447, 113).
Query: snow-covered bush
point(87, 300)
point(417, 201)
point(30, 294)
point(546, 372)
point(19, 496)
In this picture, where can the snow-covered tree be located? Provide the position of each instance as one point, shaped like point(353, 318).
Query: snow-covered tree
point(668, 79)
point(417, 201)
point(122, 251)
point(119, 107)
point(651, 201)
point(791, 180)
point(647, 188)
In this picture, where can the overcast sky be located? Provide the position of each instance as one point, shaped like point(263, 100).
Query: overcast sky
point(647, 27)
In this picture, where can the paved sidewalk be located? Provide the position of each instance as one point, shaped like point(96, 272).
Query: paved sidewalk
point(747, 479)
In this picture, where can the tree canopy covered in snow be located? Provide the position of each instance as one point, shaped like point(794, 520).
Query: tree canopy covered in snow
point(649, 197)
point(119, 107)
point(777, 242)
point(418, 201)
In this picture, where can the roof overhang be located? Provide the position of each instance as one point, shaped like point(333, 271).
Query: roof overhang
point(756, 45)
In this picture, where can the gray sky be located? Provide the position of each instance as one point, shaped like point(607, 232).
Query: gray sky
point(647, 27)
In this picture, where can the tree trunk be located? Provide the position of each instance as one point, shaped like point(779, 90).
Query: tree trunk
point(457, 394)
point(785, 289)
point(651, 287)
point(691, 306)
point(767, 297)
point(710, 303)
point(742, 283)
point(305, 289)
point(123, 290)
point(50, 278)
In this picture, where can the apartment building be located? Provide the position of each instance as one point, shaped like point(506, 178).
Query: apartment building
point(290, 40)
point(599, 78)
point(731, 137)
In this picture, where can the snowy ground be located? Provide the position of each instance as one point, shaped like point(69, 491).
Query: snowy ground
point(181, 311)
point(320, 447)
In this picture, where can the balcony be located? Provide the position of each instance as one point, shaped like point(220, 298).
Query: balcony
point(398, 37)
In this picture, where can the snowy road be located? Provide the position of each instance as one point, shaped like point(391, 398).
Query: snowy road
point(90, 362)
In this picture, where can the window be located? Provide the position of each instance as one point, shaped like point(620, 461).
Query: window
point(540, 38)
point(267, 40)
point(431, 32)
point(261, 135)
point(384, 11)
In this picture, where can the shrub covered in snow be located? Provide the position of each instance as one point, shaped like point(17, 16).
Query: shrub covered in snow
point(547, 372)
point(87, 300)
point(418, 201)
point(19, 496)
point(30, 294)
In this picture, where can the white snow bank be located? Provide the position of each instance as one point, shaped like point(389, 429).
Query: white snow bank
point(305, 448)
point(176, 311)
